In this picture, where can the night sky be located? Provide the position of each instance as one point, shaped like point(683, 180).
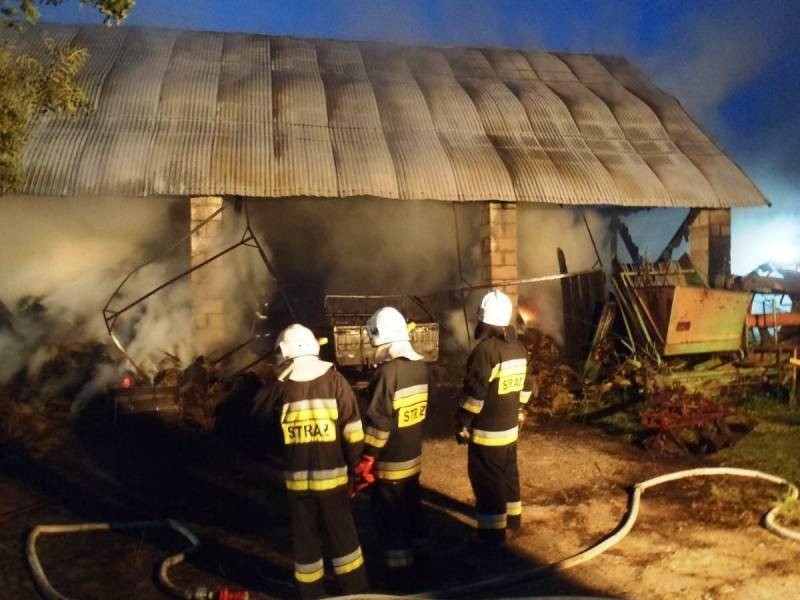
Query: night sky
point(734, 65)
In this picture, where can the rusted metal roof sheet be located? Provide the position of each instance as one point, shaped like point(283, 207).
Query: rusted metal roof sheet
point(242, 156)
point(360, 150)
point(202, 113)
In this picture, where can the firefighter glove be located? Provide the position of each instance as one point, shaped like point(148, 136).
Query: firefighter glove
point(521, 416)
point(364, 475)
point(462, 435)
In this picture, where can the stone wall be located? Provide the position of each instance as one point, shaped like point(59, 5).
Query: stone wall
point(710, 244)
point(208, 310)
point(498, 235)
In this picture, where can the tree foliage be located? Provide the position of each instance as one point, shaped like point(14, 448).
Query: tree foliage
point(18, 12)
point(29, 86)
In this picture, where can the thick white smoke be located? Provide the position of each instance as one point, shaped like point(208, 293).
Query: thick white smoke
point(67, 254)
point(61, 259)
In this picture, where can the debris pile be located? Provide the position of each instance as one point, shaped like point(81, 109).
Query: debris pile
point(44, 357)
point(33, 427)
point(677, 421)
point(664, 319)
point(665, 338)
point(555, 383)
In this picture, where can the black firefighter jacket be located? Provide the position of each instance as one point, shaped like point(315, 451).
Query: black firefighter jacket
point(321, 430)
point(398, 405)
point(496, 385)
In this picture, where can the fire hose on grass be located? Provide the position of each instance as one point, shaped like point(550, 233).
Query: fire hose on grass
point(199, 593)
point(504, 581)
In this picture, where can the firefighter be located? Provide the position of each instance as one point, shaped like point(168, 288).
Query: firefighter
point(398, 404)
point(496, 387)
point(322, 439)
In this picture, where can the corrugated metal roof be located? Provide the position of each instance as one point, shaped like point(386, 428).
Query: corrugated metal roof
point(202, 113)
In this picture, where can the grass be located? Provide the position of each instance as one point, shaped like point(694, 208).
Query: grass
point(615, 412)
point(774, 445)
point(789, 512)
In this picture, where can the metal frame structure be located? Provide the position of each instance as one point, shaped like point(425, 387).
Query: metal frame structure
point(249, 239)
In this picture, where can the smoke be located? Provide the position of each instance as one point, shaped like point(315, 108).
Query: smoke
point(58, 274)
point(367, 245)
point(542, 230)
point(711, 45)
point(733, 66)
point(772, 235)
point(459, 336)
point(357, 246)
point(374, 246)
point(158, 331)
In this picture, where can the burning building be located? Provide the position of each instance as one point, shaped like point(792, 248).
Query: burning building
point(367, 166)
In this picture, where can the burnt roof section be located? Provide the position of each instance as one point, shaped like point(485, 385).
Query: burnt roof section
point(204, 113)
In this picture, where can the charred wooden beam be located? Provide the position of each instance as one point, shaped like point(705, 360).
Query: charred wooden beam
point(569, 299)
point(630, 246)
point(581, 296)
point(681, 234)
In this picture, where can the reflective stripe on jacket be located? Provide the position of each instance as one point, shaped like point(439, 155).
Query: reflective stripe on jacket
point(496, 384)
point(321, 430)
point(399, 395)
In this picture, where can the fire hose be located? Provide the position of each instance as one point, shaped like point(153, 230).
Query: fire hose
point(492, 583)
point(199, 593)
point(504, 581)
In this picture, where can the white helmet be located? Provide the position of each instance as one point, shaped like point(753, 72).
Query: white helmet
point(495, 309)
point(387, 325)
point(295, 341)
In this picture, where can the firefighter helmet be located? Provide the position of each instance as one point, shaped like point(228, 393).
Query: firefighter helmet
point(387, 325)
point(295, 341)
point(495, 309)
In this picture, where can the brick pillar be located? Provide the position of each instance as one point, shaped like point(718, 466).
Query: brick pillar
point(499, 245)
point(208, 307)
point(710, 245)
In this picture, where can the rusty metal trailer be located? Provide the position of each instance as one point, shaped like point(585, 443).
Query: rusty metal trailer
point(687, 334)
point(347, 314)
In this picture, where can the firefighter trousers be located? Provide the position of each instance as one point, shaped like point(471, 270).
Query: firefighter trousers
point(329, 512)
point(402, 526)
point(494, 477)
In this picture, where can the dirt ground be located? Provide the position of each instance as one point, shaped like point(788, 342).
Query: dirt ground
point(694, 538)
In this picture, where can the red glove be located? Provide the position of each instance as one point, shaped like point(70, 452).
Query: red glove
point(364, 475)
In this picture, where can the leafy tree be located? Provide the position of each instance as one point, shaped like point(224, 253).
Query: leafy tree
point(17, 12)
point(29, 86)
